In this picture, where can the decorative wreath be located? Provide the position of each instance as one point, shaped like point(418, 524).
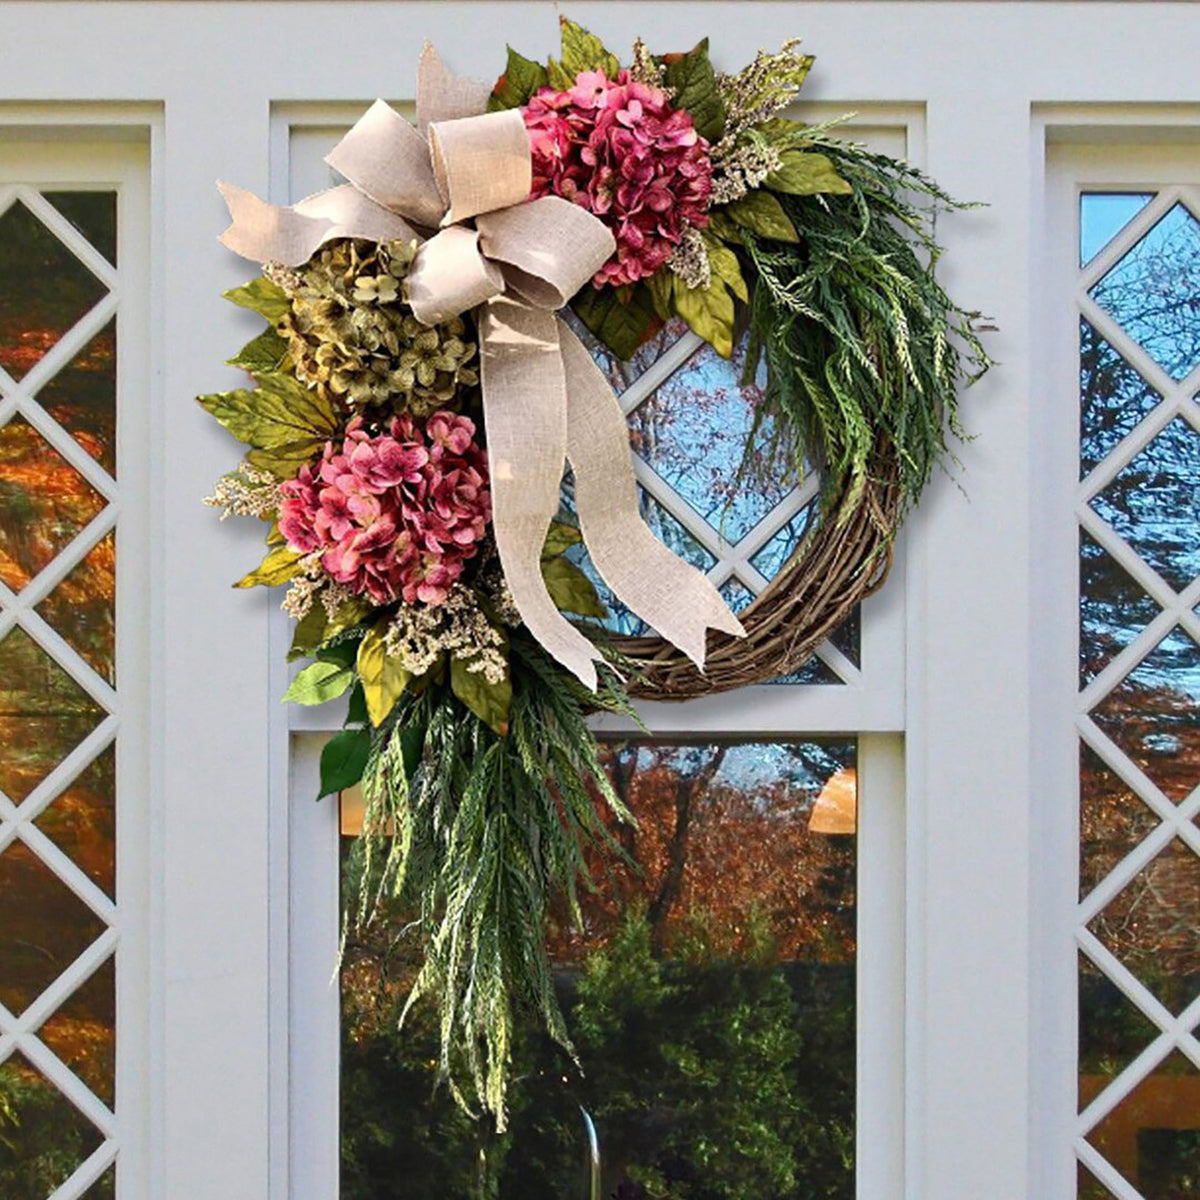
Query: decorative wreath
point(417, 396)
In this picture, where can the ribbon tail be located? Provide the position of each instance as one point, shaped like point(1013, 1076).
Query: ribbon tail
point(525, 411)
point(673, 598)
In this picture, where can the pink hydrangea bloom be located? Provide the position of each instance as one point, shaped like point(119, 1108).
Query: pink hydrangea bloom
point(623, 153)
point(395, 515)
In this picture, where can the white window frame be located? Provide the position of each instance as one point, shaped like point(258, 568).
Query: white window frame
point(1088, 149)
point(870, 705)
point(48, 149)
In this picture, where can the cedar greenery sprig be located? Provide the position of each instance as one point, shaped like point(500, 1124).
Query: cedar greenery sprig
point(860, 340)
point(471, 833)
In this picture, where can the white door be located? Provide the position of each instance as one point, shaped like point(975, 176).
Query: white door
point(1020, 919)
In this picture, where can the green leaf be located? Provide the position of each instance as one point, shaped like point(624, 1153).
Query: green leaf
point(722, 227)
point(559, 538)
point(341, 653)
point(264, 297)
point(278, 567)
point(725, 266)
point(412, 747)
point(280, 415)
point(581, 51)
point(570, 589)
point(356, 710)
point(620, 321)
point(344, 759)
point(709, 312)
point(318, 682)
point(284, 462)
point(522, 77)
point(804, 174)
point(383, 678)
point(490, 702)
point(695, 83)
point(761, 213)
point(309, 633)
point(261, 354)
point(661, 286)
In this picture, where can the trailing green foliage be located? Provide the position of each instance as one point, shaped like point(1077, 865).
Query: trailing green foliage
point(474, 832)
point(862, 344)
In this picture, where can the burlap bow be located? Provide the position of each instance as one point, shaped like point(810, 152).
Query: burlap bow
point(545, 400)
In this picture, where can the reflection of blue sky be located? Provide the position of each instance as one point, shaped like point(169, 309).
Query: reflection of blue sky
point(1154, 292)
point(1102, 215)
point(693, 431)
point(621, 373)
point(1113, 398)
point(779, 549)
point(1113, 610)
point(757, 766)
point(1154, 501)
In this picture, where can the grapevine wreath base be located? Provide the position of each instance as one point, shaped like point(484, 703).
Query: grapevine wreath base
point(417, 397)
point(844, 560)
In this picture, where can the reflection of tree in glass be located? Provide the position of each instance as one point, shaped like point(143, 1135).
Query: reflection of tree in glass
point(1154, 292)
point(710, 992)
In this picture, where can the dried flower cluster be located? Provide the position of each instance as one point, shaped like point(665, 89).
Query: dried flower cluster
point(395, 515)
point(418, 636)
point(351, 336)
point(246, 492)
point(620, 150)
point(743, 157)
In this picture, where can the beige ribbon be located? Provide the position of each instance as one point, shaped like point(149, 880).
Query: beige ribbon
point(545, 400)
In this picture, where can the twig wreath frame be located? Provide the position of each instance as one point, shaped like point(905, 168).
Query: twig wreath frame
point(416, 399)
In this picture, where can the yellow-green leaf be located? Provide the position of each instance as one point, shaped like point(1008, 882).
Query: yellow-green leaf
point(280, 412)
point(490, 702)
point(309, 632)
point(584, 51)
point(570, 589)
point(264, 297)
point(278, 567)
point(382, 676)
point(261, 354)
point(318, 682)
point(806, 174)
point(721, 226)
point(725, 266)
point(761, 213)
point(709, 312)
point(560, 537)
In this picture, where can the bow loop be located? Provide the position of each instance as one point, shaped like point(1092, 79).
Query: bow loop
point(481, 163)
point(385, 157)
point(549, 247)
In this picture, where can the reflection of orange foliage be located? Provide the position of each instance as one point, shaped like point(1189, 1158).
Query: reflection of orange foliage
point(87, 1046)
point(731, 856)
point(30, 348)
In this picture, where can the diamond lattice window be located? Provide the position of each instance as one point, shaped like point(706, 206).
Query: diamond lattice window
point(1138, 924)
point(58, 704)
point(722, 509)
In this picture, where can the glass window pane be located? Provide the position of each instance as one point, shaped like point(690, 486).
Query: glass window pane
point(1151, 1136)
point(44, 1138)
point(1151, 292)
point(44, 289)
point(1102, 215)
point(82, 397)
point(710, 989)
